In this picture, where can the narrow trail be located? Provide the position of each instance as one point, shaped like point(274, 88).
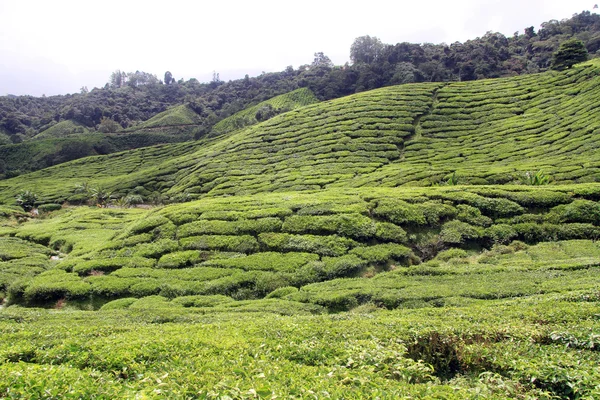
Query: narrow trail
point(418, 129)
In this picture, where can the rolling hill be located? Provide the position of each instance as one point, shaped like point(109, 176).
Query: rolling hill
point(432, 240)
point(484, 132)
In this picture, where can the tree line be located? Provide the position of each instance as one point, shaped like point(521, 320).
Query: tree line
point(130, 98)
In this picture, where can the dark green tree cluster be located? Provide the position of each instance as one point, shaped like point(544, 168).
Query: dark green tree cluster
point(569, 53)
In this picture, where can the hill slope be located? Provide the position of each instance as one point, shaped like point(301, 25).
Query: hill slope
point(276, 105)
point(320, 282)
point(491, 131)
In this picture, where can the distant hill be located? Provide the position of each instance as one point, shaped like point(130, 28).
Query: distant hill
point(265, 110)
point(62, 129)
point(482, 132)
point(179, 115)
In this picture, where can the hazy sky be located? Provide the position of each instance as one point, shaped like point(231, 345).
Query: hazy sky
point(57, 46)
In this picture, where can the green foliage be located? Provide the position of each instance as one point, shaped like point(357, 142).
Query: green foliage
point(383, 253)
point(265, 110)
point(62, 129)
point(457, 232)
point(535, 179)
point(240, 244)
point(180, 259)
point(27, 200)
point(568, 54)
point(49, 207)
point(282, 292)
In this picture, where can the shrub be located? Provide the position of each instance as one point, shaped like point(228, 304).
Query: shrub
point(535, 179)
point(55, 285)
point(154, 249)
point(450, 254)
point(472, 215)
point(389, 232)
point(110, 286)
point(457, 232)
point(147, 287)
point(500, 233)
point(147, 224)
point(282, 292)
point(323, 245)
point(118, 304)
point(336, 267)
point(106, 264)
point(577, 211)
point(240, 244)
point(49, 207)
point(383, 253)
point(201, 300)
point(179, 259)
point(267, 261)
point(152, 302)
point(26, 199)
point(352, 225)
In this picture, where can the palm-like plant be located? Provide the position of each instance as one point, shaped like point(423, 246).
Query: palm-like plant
point(535, 179)
point(26, 199)
point(100, 196)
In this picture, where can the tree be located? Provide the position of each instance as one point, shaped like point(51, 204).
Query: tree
point(117, 79)
point(365, 49)
point(568, 54)
point(141, 78)
point(321, 60)
point(108, 125)
point(169, 78)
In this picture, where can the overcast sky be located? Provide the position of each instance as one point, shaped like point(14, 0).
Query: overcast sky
point(57, 46)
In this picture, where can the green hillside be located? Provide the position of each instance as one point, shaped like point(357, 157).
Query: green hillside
point(176, 116)
point(62, 129)
point(33, 155)
point(446, 288)
point(276, 105)
point(432, 240)
point(484, 132)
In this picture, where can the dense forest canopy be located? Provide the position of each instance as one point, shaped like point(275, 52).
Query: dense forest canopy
point(130, 98)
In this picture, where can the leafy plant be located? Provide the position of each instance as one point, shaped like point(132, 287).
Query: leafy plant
point(100, 196)
point(535, 179)
point(27, 200)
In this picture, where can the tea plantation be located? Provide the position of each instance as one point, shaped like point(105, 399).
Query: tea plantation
point(418, 241)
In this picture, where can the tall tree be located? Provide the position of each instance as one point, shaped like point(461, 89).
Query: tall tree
point(321, 60)
point(168, 78)
point(568, 54)
point(365, 49)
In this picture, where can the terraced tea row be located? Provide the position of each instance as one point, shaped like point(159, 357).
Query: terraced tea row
point(537, 347)
point(264, 110)
point(490, 131)
point(273, 244)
